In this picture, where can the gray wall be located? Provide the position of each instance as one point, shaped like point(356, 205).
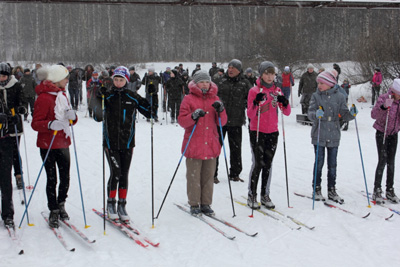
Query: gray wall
point(136, 33)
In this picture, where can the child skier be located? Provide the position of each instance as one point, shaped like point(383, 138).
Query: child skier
point(386, 113)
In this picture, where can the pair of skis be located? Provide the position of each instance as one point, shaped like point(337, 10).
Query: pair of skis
point(226, 223)
point(129, 230)
point(14, 238)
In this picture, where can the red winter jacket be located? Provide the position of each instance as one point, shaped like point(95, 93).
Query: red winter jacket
point(204, 143)
point(287, 79)
point(44, 113)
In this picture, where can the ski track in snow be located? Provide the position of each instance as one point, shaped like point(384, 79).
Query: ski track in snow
point(339, 239)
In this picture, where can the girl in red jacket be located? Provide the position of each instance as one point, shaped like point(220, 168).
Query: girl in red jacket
point(54, 113)
point(201, 108)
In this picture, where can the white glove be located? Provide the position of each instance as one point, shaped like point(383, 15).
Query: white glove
point(56, 125)
point(70, 114)
point(388, 102)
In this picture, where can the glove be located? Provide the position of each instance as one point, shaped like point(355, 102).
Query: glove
point(3, 118)
point(259, 98)
point(102, 91)
point(219, 106)
point(152, 89)
point(353, 111)
point(22, 110)
point(70, 114)
point(14, 119)
point(198, 113)
point(388, 102)
point(319, 113)
point(282, 99)
point(56, 125)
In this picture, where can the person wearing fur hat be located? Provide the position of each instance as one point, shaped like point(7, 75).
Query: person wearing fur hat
point(386, 113)
point(52, 118)
point(307, 86)
point(120, 108)
point(175, 90)
point(263, 103)
point(201, 108)
point(11, 98)
point(233, 89)
point(376, 84)
point(151, 81)
point(325, 107)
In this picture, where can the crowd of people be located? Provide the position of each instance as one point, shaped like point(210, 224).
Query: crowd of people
point(209, 105)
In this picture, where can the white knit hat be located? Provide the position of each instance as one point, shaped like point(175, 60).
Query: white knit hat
point(56, 73)
point(396, 86)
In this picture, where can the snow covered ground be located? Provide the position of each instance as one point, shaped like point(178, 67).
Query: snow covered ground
point(339, 239)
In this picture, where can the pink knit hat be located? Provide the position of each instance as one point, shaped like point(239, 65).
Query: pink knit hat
point(328, 78)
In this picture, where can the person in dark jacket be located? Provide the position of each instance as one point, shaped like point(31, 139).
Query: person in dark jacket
point(175, 90)
point(134, 81)
point(120, 108)
point(376, 84)
point(213, 70)
point(75, 86)
point(338, 70)
point(233, 89)
point(11, 98)
point(92, 87)
point(28, 86)
point(185, 79)
point(250, 76)
point(198, 67)
point(151, 81)
point(52, 118)
point(165, 76)
point(307, 86)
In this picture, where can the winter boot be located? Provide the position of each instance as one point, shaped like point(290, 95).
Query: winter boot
point(390, 195)
point(123, 215)
point(252, 202)
point(53, 218)
point(332, 195)
point(318, 194)
point(18, 179)
point(9, 223)
point(111, 210)
point(216, 181)
point(206, 209)
point(63, 214)
point(377, 196)
point(172, 120)
point(266, 201)
point(195, 210)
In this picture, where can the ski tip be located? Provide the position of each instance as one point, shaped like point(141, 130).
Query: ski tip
point(31, 224)
point(21, 252)
point(387, 219)
point(367, 215)
point(72, 249)
point(87, 226)
point(253, 235)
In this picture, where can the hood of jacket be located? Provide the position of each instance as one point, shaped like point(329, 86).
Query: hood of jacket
point(194, 89)
point(47, 87)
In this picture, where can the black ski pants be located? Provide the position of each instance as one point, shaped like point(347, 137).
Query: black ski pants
point(375, 93)
point(61, 159)
point(16, 159)
point(386, 157)
point(235, 147)
point(174, 105)
point(263, 153)
point(6, 156)
point(119, 162)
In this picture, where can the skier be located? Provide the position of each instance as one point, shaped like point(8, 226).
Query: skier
point(386, 113)
point(201, 108)
point(10, 98)
point(262, 109)
point(92, 86)
point(175, 90)
point(287, 81)
point(307, 87)
point(53, 112)
point(376, 84)
point(120, 105)
point(332, 102)
point(151, 81)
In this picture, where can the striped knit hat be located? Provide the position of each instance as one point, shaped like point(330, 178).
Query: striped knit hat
point(123, 72)
point(328, 78)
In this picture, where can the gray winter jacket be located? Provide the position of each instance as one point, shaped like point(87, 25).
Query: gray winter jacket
point(333, 103)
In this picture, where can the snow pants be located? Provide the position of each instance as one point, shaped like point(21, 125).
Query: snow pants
point(174, 105)
point(332, 164)
point(375, 93)
point(119, 162)
point(386, 157)
point(200, 181)
point(6, 156)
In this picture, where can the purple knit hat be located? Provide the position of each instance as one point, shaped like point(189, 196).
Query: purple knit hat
point(123, 72)
point(328, 78)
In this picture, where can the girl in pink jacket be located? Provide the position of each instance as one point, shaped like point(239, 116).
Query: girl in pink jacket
point(262, 104)
point(201, 108)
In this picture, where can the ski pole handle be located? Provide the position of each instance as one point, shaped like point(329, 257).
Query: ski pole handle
point(13, 112)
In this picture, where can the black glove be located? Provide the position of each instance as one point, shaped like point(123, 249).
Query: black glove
point(219, 106)
point(102, 91)
point(198, 113)
point(3, 118)
point(282, 99)
point(259, 98)
point(152, 89)
point(22, 110)
point(14, 119)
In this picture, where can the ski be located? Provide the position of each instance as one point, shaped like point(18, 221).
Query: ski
point(382, 205)
point(269, 215)
point(346, 211)
point(76, 230)
point(207, 222)
point(58, 234)
point(13, 235)
point(231, 225)
point(306, 196)
point(120, 227)
point(289, 217)
point(136, 231)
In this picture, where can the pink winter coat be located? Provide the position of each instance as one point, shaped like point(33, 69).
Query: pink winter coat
point(204, 143)
point(269, 114)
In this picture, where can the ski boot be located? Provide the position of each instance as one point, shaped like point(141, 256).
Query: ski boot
point(195, 210)
point(111, 210)
point(18, 179)
point(123, 215)
point(332, 195)
point(318, 195)
point(206, 210)
point(390, 195)
point(53, 218)
point(266, 201)
point(63, 214)
point(377, 196)
point(252, 202)
point(9, 223)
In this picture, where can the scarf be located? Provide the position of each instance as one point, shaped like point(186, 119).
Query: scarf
point(62, 105)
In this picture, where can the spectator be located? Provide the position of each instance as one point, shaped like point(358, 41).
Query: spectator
point(307, 86)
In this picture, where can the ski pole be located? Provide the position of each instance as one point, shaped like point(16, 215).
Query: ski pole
point(20, 167)
point(37, 179)
point(362, 161)
point(152, 163)
point(258, 121)
point(226, 164)
point(284, 154)
point(104, 168)
point(79, 176)
point(316, 160)
point(26, 159)
point(387, 119)
point(177, 167)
